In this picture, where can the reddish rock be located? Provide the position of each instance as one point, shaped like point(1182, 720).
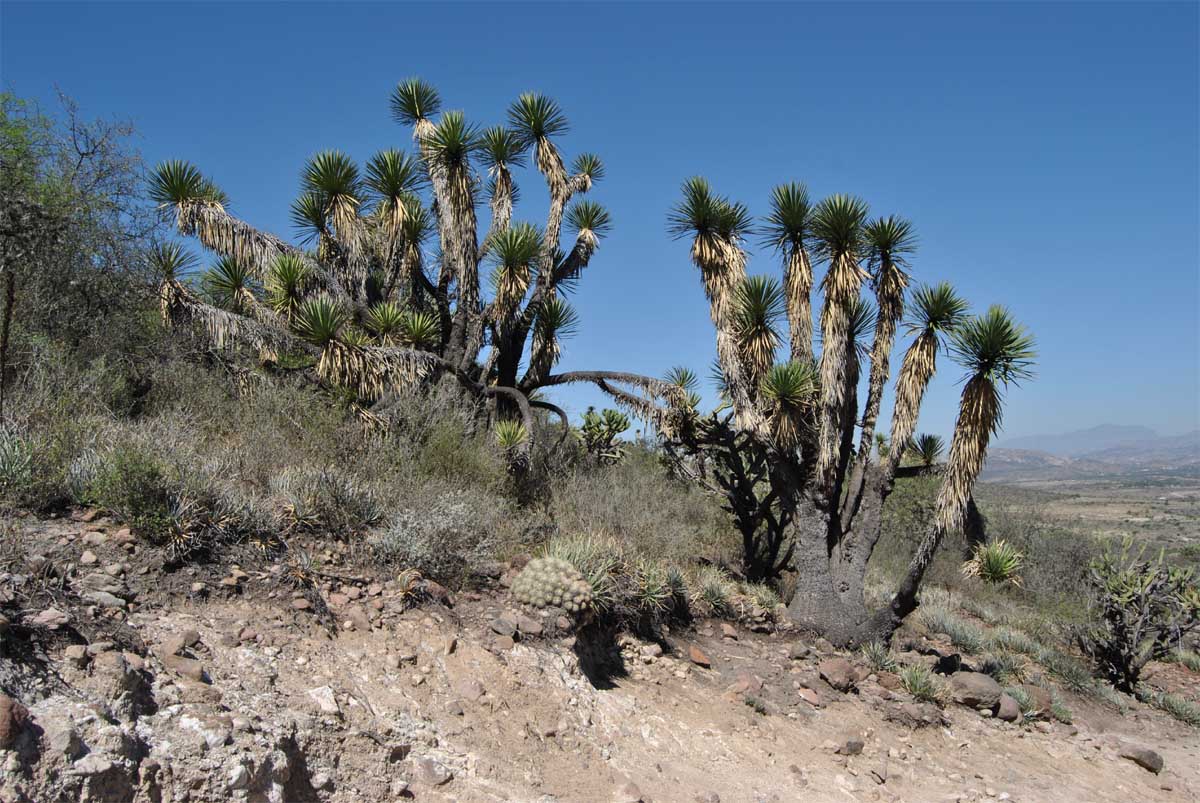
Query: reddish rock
point(838, 673)
point(698, 657)
point(13, 717)
point(809, 696)
point(1008, 710)
point(729, 631)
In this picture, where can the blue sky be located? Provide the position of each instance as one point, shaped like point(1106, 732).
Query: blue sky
point(1047, 153)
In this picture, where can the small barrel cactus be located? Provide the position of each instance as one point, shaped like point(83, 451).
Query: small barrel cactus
point(550, 582)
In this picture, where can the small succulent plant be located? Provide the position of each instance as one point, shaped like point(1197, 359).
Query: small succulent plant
point(550, 582)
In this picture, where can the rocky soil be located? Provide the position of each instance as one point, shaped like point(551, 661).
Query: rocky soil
point(125, 681)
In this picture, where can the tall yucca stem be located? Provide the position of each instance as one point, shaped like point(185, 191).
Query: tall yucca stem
point(890, 294)
point(920, 362)
point(842, 285)
point(978, 412)
point(722, 267)
point(502, 199)
point(797, 286)
point(550, 164)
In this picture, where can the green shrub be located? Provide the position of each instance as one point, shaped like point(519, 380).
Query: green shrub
point(133, 484)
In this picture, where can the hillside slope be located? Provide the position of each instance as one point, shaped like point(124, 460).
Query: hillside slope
point(218, 682)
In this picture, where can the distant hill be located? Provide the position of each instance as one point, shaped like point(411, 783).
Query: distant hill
point(1106, 450)
point(1083, 441)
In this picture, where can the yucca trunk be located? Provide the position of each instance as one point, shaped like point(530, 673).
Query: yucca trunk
point(891, 308)
point(842, 285)
point(797, 286)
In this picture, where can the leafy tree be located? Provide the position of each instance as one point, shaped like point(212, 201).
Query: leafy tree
point(72, 228)
point(780, 449)
point(366, 303)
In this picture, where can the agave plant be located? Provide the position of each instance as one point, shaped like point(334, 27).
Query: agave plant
point(926, 449)
point(995, 563)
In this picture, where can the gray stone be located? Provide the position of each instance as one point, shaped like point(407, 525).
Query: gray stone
point(1144, 757)
point(975, 690)
point(325, 699)
point(430, 772)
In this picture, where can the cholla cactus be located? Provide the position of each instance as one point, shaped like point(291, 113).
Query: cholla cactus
point(546, 582)
point(600, 432)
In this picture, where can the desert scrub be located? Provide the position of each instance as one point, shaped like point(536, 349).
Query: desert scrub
point(1188, 658)
point(922, 684)
point(33, 467)
point(712, 590)
point(761, 595)
point(964, 635)
point(16, 465)
point(135, 485)
point(1005, 667)
point(549, 582)
point(1182, 709)
point(442, 539)
point(327, 500)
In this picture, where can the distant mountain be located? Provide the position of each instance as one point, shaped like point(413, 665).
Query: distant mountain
point(1083, 441)
point(1104, 451)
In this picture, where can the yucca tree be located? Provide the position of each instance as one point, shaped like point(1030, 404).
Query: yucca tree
point(780, 450)
point(359, 296)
